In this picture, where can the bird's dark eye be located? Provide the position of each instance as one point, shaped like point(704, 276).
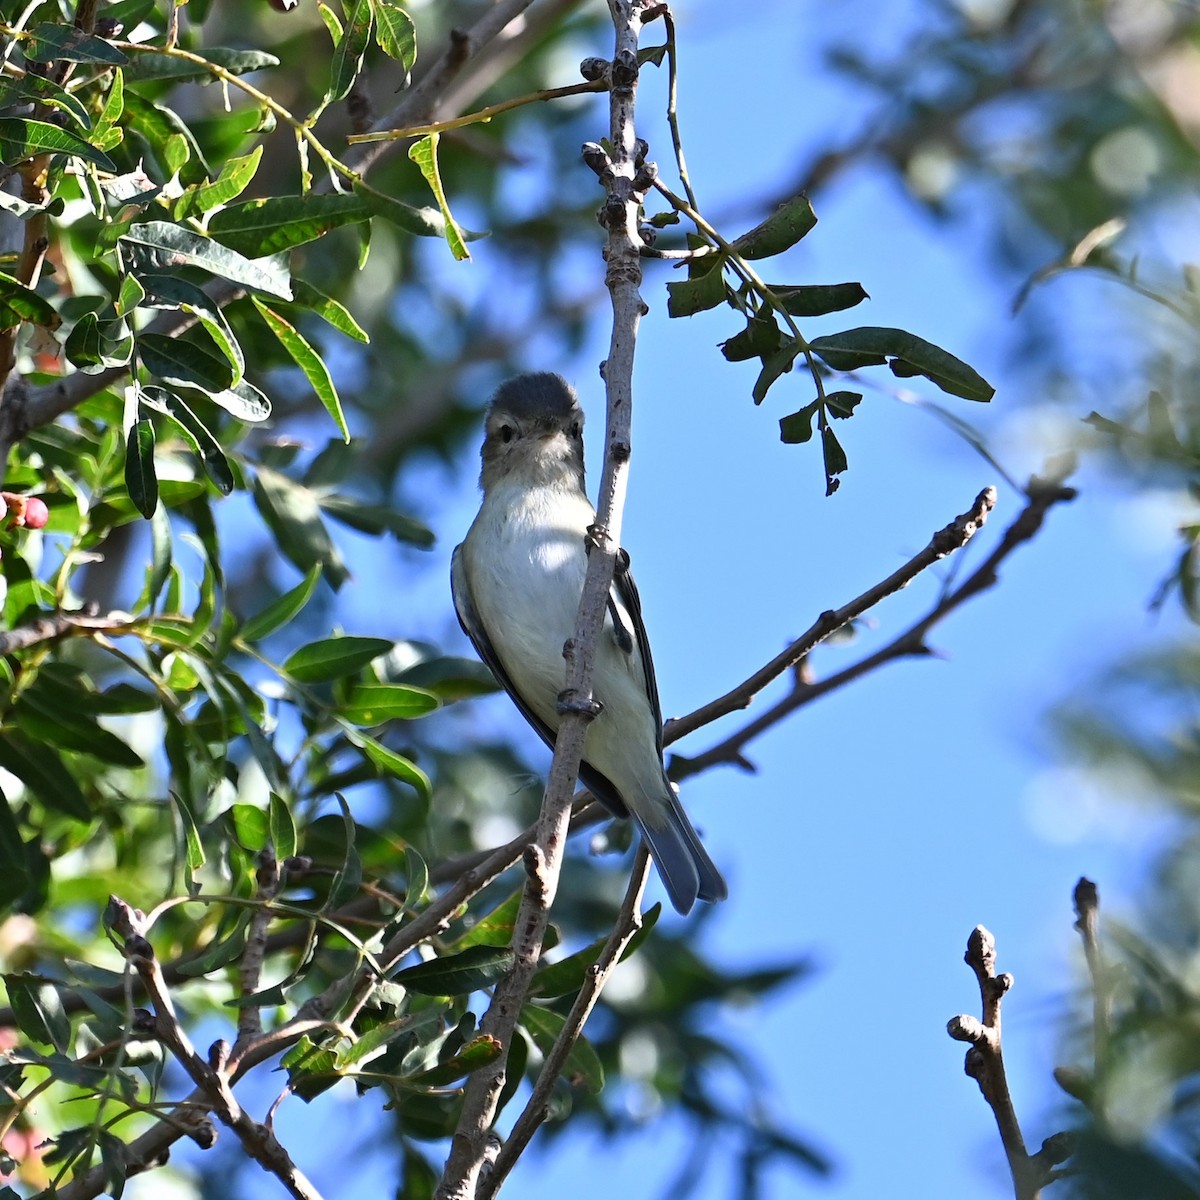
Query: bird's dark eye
point(576, 429)
point(506, 433)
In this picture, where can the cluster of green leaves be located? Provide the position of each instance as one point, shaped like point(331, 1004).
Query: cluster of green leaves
point(719, 273)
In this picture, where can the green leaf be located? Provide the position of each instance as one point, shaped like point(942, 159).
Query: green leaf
point(14, 866)
point(348, 56)
point(494, 929)
point(686, 297)
point(194, 432)
point(191, 835)
point(283, 828)
point(140, 480)
point(814, 300)
point(376, 519)
point(395, 34)
point(39, 89)
point(243, 401)
point(22, 138)
point(41, 770)
point(388, 761)
point(371, 704)
point(149, 63)
point(94, 345)
point(478, 1052)
point(259, 227)
point(310, 362)
point(566, 976)
point(294, 517)
point(282, 610)
point(842, 404)
point(39, 1010)
point(457, 974)
point(416, 877)
point(778, 364)
point(173, 291)
point(424, 221)
point(760, 339)
point(65, 43)
point(162, 246)
point(19, 303)
point(308, 297)
point(52, 725)
point(130, 295)
point(910, 355)
point(781, 230)
point(176, 361)
point(424, 154)
point(236, 175)
point(583, 1065)
point(251, 826)
point(835, 459)
point(334, 658)
point(798, 426)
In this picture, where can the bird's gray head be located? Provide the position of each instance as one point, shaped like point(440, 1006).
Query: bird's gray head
point(533, 433)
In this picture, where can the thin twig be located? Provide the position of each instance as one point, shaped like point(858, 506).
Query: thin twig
point(1087, 914)
point(250, 964)
point(469, 1146)
point(55, 626)
point(985, 1064)
point(212, 1077)
point(629, 921)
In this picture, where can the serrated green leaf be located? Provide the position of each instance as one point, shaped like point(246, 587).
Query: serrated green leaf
point(348, 55)
point(308, 297)
point(22, 138)
point(781, 230)
point(425, 154)
point(395, 34)
point(140, 479)
point(20, 303)
point(282, 610)
point(310, 362)
point(260, 227)
point(370, 704)
point(457, 974)
point(50, 42)
point(165, 247)
point(583, 1065)
point(910, 355)
point(334, 658)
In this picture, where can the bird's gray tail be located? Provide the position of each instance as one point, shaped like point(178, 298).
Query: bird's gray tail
point(687, 872)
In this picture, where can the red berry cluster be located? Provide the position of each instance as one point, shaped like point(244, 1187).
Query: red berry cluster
point(23, 512)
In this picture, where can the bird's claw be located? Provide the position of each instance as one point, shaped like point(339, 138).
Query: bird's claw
point(570, 701)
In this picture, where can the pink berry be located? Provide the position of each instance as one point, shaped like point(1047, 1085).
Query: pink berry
point(36, 512)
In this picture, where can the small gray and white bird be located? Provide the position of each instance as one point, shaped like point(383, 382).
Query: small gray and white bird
point(517, 579)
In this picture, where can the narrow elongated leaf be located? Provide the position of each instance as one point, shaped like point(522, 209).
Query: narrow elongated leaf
point(814, 300)
point(244, 401)
point(39, 89)
point(259, 227)
point(495, 928)
point(424, 221)
point(457, 974)
point(388, 761)
point(14, 867)
point(65, 43)
point(778, 364)
point(333, 658)
point(165, 247)
point(328, 309)
point(910, 355)
point(782, 229)
point(834, 457)
point(154, 64)
point(20, 303)
point(478, 1052)
point(173, 291)
point(283, 828)
point(140, 480)
point(41, 770)
point(310, 362)
point(377, 519)
point(282, 610)
point(21, 138)
point(39, 1011)
point(180, 362)
point(52, 726)
point(348, 55)
point(424, 154)
point(194, 431)
point(371, 704)
point(233, 180)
